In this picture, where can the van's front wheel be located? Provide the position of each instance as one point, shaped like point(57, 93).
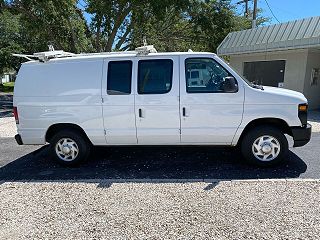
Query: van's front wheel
point(69, 147)
point(264, 146)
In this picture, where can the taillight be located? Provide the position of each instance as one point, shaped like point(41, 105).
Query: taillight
point(15, 113)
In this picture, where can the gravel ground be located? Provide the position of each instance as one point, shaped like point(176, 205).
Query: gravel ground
point(314, 120)
point(7, 127)
point(282, 209)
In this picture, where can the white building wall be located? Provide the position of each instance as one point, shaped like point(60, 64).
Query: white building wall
point(5, 78)
point(312, 92)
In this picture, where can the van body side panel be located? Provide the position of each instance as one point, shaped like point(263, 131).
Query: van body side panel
point(210, 118)
point(118, 111)
point(59, 92)
point(157, 115)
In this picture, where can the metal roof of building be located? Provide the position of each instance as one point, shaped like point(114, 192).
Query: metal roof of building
point(304, 33)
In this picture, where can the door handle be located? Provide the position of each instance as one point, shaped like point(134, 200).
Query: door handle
point(141, 115)
point(184, 112)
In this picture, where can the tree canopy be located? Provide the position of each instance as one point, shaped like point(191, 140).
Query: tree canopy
point(28, 26)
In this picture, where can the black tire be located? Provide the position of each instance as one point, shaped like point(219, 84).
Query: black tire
point(250, 138)
point(82, 143)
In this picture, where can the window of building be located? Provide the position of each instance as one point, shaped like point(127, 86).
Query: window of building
point(315, 76)
point(155, 76)
point(119, 77)
point(204, 75)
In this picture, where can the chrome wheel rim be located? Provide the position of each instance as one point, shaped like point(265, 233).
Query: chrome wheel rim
point(266, 148)
point(67, 149)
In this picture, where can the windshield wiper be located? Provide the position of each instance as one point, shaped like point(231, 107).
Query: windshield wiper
point(257, 86)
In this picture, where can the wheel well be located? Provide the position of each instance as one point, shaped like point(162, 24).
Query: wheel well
point(275, 122)
point(53, 129)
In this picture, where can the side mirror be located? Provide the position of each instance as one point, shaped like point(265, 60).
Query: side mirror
point(230, 85)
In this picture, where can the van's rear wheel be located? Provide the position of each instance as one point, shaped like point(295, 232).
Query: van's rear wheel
point(264, 146)
point(69, 147)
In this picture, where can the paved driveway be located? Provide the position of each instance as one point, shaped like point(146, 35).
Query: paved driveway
point(5, 105)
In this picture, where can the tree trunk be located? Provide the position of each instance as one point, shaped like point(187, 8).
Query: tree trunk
point(124, 37)
point(119, 20)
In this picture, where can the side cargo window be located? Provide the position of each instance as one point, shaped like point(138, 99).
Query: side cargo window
point(204, 75)
point(119, 78)
point(155, 76)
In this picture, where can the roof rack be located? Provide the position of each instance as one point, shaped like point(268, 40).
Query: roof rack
point(46, 56)
point(51, 54)
point(145, 50)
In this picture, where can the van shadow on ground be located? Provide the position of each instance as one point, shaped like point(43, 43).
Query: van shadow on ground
point(145, 163)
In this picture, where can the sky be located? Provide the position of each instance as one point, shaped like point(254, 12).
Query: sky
point(286, 10)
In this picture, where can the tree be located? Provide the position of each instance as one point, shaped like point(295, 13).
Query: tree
point(59, 22)
point(242, 23)
point(113, 21)
point(201, 26)
point(11, 41)
point(28, 26)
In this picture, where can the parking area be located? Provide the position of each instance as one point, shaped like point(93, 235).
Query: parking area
point(6, 105)
point(158, 193)
point(160, 210)
point(33, 162)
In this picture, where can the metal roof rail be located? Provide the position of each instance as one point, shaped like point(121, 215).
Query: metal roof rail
point(51, 54)
point(46, 56)
point(145, 50)
point(104, 53)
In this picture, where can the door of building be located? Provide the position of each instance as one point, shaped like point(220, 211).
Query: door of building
point(268, 73)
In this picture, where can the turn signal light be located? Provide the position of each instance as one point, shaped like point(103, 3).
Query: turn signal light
point(303, 108)
point(303, 113)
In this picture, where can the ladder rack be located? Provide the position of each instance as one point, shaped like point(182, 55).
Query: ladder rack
point(52, 54)
point(45, 56)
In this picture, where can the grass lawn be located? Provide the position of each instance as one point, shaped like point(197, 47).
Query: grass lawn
point(7, 87)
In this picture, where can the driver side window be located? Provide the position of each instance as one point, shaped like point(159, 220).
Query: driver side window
point(204, 75)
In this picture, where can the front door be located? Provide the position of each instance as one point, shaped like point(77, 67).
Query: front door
point(157, 101)
point(208, 114)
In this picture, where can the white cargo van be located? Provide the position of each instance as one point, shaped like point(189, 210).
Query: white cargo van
point(142, 97)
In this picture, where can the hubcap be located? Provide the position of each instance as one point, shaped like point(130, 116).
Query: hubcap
point(67, 149)
point(266, 148)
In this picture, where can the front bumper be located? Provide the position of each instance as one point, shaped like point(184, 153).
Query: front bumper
point(18, 139)
point(301, 135)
